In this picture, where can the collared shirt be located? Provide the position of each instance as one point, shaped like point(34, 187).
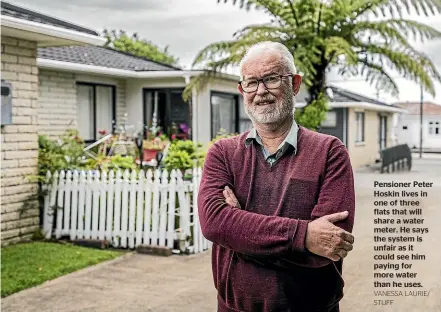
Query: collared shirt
point(290, 141)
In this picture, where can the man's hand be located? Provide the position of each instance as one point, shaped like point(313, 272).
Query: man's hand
point(325, 239)
point(230, 198)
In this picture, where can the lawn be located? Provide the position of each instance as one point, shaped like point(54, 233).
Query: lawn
point(30, 264)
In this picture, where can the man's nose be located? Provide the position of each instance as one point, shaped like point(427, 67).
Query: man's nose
point(261, 89)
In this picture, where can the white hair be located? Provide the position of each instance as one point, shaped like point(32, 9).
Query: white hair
point(271, 47)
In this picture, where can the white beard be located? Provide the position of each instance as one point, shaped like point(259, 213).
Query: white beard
point(274, 113)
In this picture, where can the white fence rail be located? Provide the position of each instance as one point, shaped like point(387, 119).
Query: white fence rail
point(127, 209)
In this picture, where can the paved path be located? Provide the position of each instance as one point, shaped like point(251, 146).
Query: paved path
point(146, 283)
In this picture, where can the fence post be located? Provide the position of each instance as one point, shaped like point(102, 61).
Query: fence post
point(49, 202)
point(60, 197)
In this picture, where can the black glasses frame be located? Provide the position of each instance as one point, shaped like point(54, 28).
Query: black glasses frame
point(262, 80)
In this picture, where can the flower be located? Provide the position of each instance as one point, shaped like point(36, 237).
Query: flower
point(102, 131)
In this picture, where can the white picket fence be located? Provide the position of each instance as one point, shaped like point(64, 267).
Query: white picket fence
point(123, 208)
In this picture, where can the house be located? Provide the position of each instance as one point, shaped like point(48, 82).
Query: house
point(91, 88)
point(363, 124)
point(409, 125)
point(22, 33)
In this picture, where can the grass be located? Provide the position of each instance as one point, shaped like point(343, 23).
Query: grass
point(30, 264)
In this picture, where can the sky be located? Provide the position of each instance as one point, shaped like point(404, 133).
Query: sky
point(187, 26)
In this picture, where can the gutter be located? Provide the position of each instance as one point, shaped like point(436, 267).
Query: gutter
point(52, 31)
point(123, 73)
point(366, 105)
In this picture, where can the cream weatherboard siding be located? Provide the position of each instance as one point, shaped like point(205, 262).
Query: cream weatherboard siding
point(19, 142)
point(58, 99)
point(365, 153)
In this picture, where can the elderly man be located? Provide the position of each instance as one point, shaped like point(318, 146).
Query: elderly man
point(277, 201)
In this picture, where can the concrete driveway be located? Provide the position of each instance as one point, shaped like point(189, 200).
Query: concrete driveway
point(184, 283)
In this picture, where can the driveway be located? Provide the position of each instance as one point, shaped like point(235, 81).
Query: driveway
point(184, 283)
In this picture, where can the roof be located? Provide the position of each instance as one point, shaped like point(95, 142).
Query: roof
point(32, 16)
point(103, 57)
point(343, 95)
point(339, 97)
point(413, 108)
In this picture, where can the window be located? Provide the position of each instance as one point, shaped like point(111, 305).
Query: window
point(165, 107)
point(434, 128)
point(383, 132)
point(331, 120)
point(245, 123)
point(359, 125)
point(223, 113)
point(95, 109)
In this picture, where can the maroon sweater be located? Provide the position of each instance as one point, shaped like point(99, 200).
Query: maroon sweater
point(259, 259)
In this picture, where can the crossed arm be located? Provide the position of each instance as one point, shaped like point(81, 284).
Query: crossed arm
point(326, 234)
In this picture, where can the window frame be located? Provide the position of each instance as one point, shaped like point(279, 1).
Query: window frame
point(432, 126)
point(363, 132)
point(167, 120)
point(94, 85)
point(236, 110)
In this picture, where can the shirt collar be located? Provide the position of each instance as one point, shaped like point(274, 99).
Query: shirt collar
point(290, 139)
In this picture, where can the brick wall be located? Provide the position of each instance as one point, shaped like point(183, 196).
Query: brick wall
point(58, 99)
point(19, 142)
point(57, 102)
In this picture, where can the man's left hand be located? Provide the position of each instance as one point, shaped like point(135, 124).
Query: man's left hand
point(231, 198)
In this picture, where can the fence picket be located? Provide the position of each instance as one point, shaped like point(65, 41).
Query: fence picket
point(88, 208)
point(155, 208)
point(148, 207)
point(132, 207)
point(74, 210)
point(140, 208)
point(117, 210)
point(124, 210)
point(103, 205)
point(67, 195)
point(171, 209)
point(81, 204)
point(110, 201)
point(163, 208)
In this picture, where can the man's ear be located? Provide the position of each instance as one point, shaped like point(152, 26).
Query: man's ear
point(239, 88)
point(296, 83)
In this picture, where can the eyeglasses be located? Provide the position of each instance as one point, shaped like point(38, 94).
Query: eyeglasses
point(270, 82)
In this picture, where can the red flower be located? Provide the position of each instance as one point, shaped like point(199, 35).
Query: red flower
point(102, 132)
point(173, 136)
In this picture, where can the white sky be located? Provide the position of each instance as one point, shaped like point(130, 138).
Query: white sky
point(187, 26)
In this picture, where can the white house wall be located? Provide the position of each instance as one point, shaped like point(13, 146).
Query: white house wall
point(411, 136)
point(203, 108)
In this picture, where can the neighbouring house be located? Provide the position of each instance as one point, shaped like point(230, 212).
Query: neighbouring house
point(22, 33)
point(409, 125)
point(363, 124)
